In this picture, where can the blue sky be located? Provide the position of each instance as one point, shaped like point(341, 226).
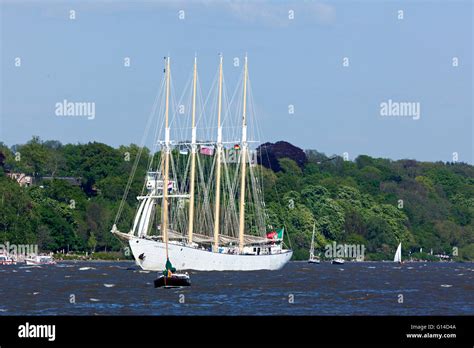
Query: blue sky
point(298, 62)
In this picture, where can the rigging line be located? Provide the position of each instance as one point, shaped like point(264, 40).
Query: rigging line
point(257, 201)
point(238, 109)
point(228, 111)
point(231, 209)
point(185, 175)
point(212, 119)
point(135, 165)
point(201, 103)
point(236, 189)
point(228, 127)
point(185, 127)
point(176, 119)
point(158, 128)
point(210, 180)
point(137, 159)
point(259, 206)
point(176, 213)
point(200, 116)
point(254, 119)
point(256, 124)
point(288, 236)
point(200, 222)
point(277, 193)
point(204, 223)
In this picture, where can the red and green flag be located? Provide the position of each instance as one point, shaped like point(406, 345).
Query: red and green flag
point(277, 235)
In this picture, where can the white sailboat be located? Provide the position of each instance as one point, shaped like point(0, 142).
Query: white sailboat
point(211, 208)
point(398, 254)
point(312, 258)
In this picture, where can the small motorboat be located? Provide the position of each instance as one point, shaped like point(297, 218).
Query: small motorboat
point(7, 260)
point(314, 260)
point(337, 261)
point(40, 260)
point(175, 280)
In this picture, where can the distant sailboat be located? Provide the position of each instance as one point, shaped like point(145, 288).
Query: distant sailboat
point(312, 258)
point(398, 254)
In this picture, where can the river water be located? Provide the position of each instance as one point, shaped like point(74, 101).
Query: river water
point(121, 288)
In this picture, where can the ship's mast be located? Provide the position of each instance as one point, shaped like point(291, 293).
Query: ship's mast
point(243, 162)
point(218, 162)
point(164, 224)
point(193, 159)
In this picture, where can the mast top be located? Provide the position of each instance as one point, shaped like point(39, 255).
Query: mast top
point(167, 63)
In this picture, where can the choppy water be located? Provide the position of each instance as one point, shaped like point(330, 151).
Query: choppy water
point(99, 288)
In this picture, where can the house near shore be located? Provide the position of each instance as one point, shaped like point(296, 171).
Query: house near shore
point(21, 178)
point(25, 180)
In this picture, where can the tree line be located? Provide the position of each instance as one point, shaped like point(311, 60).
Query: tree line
point(374, 202)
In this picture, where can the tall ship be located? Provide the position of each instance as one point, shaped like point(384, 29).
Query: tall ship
point(203, 195)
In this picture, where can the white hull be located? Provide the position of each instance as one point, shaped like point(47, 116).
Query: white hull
point(187, 258)
point(337, 262)
point(314, 261)
point(32, 263)
point(38, 262)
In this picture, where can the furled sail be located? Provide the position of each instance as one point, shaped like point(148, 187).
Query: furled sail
point(223, 239)
point(137, 216)
point(145, 218)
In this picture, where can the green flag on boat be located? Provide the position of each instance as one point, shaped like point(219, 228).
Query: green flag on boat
point(169, 268)
point(280, 233)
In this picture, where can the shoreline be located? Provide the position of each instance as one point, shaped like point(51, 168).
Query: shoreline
point(293, 261)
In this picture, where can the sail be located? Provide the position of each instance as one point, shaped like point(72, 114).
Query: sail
point(149, 214)
point(145, 218)
point(137, 216)
point(311, 250)
point(398, 254)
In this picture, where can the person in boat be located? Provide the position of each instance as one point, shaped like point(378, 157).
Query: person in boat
point(169, 269)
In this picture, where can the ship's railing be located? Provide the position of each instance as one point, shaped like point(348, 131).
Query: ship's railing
point(161, 196)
